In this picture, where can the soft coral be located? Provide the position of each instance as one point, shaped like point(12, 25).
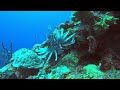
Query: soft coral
point(57, 43)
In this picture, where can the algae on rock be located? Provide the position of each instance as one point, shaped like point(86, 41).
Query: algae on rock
point(70, 60)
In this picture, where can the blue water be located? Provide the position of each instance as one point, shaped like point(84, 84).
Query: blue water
point(26, 28)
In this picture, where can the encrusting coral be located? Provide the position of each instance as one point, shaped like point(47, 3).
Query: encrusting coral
point(70, 60)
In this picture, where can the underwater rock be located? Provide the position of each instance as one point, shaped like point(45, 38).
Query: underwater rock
point(70, 60)
point(58, 73)
point(23, 73)
point(112, 74)
point(90, 71)
point(6, 68)
point(26, 58)
point(55, 73)
point(116, 13)
point(106, 60)
point(110, 60)
point(7, 72)
point(19, 73)
point(85, 16)
point(73, 75)
point(96, 21)
point(42, 74)
point(8, 75)
point(93, 72)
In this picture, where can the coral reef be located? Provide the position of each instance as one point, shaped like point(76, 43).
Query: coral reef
point(112, 74)
point(90, 71)
point(88, 47)
point(58, 73)
point(57, 42)
point(70, 60)
point(26, 58)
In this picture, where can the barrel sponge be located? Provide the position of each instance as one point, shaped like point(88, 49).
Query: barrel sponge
point(25, 58)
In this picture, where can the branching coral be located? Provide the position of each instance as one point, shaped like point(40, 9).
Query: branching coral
point(57, 42)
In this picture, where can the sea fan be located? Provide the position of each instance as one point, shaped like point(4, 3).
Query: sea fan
point(58, 42)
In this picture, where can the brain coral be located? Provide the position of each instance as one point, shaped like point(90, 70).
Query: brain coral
point(26, 58)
